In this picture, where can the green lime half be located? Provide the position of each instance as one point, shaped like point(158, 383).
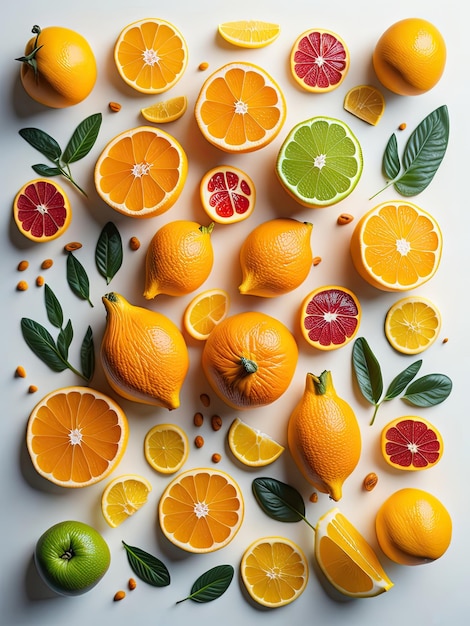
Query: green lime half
point(320, 162)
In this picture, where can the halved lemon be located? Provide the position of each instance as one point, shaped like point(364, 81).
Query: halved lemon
point(205, 311)
point(249, 33)
point(412, 324)
point(166, 448)
point(252, 447)
point(166, 110)
point(123, 497)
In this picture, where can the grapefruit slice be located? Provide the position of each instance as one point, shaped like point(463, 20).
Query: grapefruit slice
point(411, 443)
point(330, 317)
point(227, 194)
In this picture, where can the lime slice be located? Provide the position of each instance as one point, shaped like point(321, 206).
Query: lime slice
point(320, 162)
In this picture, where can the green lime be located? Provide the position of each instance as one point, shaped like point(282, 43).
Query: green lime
point(320, 162)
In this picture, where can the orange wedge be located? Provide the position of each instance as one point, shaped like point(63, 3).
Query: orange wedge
point(166, 110)
point(249, 33)
point(205, 311)
point(123, 497)
point(252, 447)
point(365, 102)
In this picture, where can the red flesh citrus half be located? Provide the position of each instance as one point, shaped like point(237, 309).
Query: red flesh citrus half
point(411, 443)
point(319, 60)
point(41, 210)
point(330, 317)
point(227, 194)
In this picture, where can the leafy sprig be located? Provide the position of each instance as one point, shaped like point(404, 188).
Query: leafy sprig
point(81, 142)
point(211, 585)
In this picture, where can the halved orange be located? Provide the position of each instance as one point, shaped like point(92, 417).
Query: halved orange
point(201, 510)
point(396, 246)
point(319, 60)
point(42, 210)
point(240, 108)
point(205, 311)
point(228, 195)
point(151, 55)
point(365, 102)
point(330, 317)
point(76, 436)
point(411, 443)
point(141, 172)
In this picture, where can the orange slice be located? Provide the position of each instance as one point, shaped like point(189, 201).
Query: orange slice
point(123, 497)
point(205, 311)
point(201, 510)
point(166, 110)
point(396, 246)
point(330, 317)
point(274, 571)
point(365, 102)
point(411, 443)
point(151, 55)
point(249, 33)
point(141, 172)
point(319, 60)
point(41, 210)
point(76, 436)
point(412, 324)
point(252, 447)
point(240, 108)
point(166, 448)
point(228, 195)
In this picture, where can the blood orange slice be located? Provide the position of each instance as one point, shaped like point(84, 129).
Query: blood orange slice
point(330, 317)
point(41, 210)
point(227, 194)
point(319, 60)
point(411, 443)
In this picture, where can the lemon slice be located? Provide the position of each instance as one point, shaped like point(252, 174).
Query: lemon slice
point(166, 448)
point(249, 33)
point(205, 311)
point(252, 447)
point(365, 102)
point(166, 110)
point(123, 496)
point(412, 324)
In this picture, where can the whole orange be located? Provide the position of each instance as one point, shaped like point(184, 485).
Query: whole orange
point(410, 56)
point(58, 68)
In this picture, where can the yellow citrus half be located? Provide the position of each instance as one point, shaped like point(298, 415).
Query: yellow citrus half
point(412, 324)
point(249, 33)
point(166, 448)
point(365, 102)
point(205, 311)
point(123, 497)
point(166, 110)
point(252, 447)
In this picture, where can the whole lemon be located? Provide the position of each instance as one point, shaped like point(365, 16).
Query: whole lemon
point(410, 57)
point(58, 67)
point(413, 527)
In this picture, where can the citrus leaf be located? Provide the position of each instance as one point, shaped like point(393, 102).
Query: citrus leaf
point(391, 159)
point(87, 355)
point(108, 253)
point(46, 170)
point(42, 344)
point(83, 139)
point(367, 370)
point(53, 307)
point(429, 390)
point(77, 278)
point(64, 340)
point(43, 142)
point(279, 500)
point(211, 585)
point(147, 567)
point(400, 382)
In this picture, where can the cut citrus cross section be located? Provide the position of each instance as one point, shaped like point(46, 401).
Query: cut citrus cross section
point(166, 448)
point(205, 311)
point(151, 55)
point(228, 195)
point(411, 443)
point(166, 110)
point(347, 559)
point(240, 108)
point(123, 497)
point(76, 436)
point(319, 60)
point(365, 102)
point(252, 447)
point(412, 324)
point(41, 210)
point(330, 317)
point(141, 172)
point(249, 33)
point(396, 246)
point(274, 571)
point(320, 162)
point(201, 510)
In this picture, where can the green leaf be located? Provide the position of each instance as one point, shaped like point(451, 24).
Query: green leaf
point(64, 340)
point(53, 307)
point(87, 355)
point(391, 159)
point(77, 278)
point(429, 390)
point(147, 567)
point(108, 253)
point(367, 370)
point(83, 139)
point(42, 344)
point(43, 142)
point(46, 170)
point(211, 585)
point(279, 500)
point(400, 382)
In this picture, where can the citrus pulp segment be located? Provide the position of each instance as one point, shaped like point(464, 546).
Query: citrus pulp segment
point(319, 60)
point(166, 448)
point(249, 33)
point(41, 210)
point(396, 246)
point(151, 55)
point(123, 497)
point(411, 443)
point(347, 559)
point(330, 317)
point(240, 108)
point(320, 162)
point(205, 311)
point(141, 172)
point(76, 436)
point(201, 510)
point(228, 195)
point(412, 324)
point(365, 102)
point(252, 447)
point(274, 571)
point(166, 110)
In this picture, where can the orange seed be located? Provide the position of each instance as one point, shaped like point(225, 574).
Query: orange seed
point(199, 441)
point(20, 372)
point(216, 457)
point(23, 265)
point(22, 285)
point(46, 264)
point(72, 246)
point(198, 419)
point(134, 243)
point(119, 595)
point(216, 422)
point(40, 281)
point(32, 389)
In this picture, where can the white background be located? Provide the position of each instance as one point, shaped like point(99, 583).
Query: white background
point(432, 594)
